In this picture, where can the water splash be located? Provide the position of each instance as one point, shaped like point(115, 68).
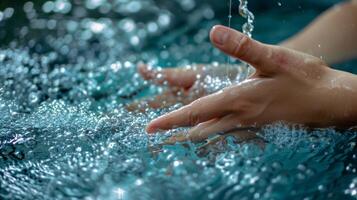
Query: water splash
point(248, 27)
point(65, 78)
point(229, 25)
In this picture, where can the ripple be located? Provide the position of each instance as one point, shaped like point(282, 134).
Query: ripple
point(67, 70)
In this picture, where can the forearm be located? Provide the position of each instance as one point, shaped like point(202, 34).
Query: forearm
point(341, 97)
point(332, 36)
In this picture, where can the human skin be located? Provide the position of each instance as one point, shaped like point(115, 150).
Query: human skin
point(331, 37)
point(287, 86)
point(308, 93)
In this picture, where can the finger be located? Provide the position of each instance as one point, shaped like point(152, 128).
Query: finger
point(166, 99)
point(221, 126)
point(197, 134)
point(241, 135)
point(265, 58)
point(191, 135)
point(226, 125)
point(178, 138)
point(201, 110)
point(178, 77)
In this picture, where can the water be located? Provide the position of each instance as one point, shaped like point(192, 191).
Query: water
point(67, 71)
point(247, 28)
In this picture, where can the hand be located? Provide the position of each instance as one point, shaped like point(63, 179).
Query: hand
point(180, 82)
point(287, 86)
point(184, 84)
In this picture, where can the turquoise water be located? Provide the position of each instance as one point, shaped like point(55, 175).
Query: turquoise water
point(67, 70)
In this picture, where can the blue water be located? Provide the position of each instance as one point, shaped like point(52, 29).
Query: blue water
point(67, 70)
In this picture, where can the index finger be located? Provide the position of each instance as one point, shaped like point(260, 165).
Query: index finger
point(201, 110)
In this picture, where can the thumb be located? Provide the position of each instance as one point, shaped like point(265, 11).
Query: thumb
point(263, 57)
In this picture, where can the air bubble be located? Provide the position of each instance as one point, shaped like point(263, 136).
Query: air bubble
point(65, 132)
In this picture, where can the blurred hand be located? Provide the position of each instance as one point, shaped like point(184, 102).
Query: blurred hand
point(287, 86)
point(179, 81)
point(183, 84)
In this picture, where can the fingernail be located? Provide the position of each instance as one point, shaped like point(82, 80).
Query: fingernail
point(150, 129)
point(152, 126)
point(220, 35)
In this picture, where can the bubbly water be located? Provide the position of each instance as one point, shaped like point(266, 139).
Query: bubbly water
point(67, 70)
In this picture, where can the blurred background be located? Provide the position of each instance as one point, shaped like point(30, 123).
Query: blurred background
point(80, 49)
point(183, 12)
point(150, 23)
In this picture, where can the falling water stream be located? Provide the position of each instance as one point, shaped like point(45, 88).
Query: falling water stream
point(247, 27)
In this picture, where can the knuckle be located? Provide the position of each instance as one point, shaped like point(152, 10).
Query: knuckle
point(279, 57)
point(242, 47)
point(313, 61)
point(193, 116)
point(320, 62)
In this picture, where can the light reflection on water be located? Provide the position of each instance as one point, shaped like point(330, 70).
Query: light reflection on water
point(64, 132)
